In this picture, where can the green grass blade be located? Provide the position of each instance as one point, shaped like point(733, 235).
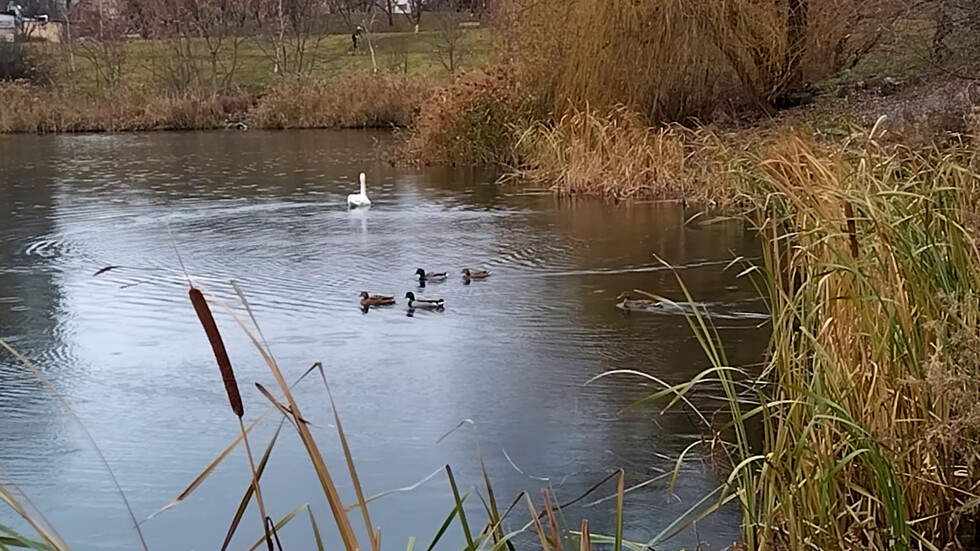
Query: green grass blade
point(620, 487)
point(375, 543)
point(10, 537)
point(278, 526)
point(445, 525)
point(459, 507)
point(316, 529)
point(250, 491)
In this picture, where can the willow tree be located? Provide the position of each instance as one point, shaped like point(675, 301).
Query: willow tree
point(671, 59)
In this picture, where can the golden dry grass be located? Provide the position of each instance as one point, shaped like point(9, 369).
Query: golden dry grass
point(354, 101)
point(673, 59)
point(868, 399)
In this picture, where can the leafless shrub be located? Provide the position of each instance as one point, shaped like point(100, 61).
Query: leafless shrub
point(291, 33)
point(102, 40)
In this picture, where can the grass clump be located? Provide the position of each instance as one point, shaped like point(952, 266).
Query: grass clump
point(867, 402)
point(874, 284)
point(476, 120)
point(615, 154)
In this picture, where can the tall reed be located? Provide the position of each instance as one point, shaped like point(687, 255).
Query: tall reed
point(206, 319)
point(868, 402)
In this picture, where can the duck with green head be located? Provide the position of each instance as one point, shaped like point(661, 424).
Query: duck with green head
point(436, 303)
point(433, 276)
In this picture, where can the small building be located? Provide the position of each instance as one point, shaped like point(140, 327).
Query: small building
point(42, 28)
point(401, 6)
point(8, 27)
point(15, 27)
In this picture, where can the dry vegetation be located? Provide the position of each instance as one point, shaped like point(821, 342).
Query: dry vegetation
point(867, 402)
point(202, 64)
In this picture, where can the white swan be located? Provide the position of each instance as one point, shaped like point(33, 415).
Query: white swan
point(359, 199)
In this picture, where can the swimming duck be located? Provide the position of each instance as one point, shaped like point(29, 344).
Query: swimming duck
point(425, 302)
point(629, 304)
point(376, 300)
point(430, 275)
point(359, 199)
point(475, 274)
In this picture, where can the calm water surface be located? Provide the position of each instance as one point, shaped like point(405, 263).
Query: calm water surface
point(510, 355)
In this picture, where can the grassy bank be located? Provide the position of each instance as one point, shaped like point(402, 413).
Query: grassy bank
point(868, 396)
point(350, 101)
point(138, 85)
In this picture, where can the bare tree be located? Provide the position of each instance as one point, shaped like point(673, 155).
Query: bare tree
point(367, 29)
point(449, 41)
point(98, 22)
point(387, 8)
point(956, 41)
point(348, 8)
point(203, 39)
point(414, 13)
point(291, 33)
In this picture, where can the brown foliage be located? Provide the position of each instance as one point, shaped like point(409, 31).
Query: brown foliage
point(32, 109)
point(673, 59)
point(382, 100)
point(476, 120)
point(354, 101)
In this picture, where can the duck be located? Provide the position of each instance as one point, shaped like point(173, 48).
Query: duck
point(629, 304)
point(359, 199)
point(425, 302)
point(376, 300)
point(423, 275)
point(475, 274)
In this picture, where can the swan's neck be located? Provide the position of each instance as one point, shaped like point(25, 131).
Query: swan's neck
point(363, 189)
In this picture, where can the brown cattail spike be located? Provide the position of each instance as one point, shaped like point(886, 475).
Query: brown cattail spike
point(218, 346)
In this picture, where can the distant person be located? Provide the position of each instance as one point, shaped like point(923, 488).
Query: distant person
point(353, 36)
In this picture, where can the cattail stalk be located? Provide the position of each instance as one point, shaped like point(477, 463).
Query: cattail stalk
point(231, 387)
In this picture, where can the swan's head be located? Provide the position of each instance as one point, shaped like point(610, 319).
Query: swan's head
point(410, 295)
point(420, 272)
point(466, 272)
point(624, 294)
point(363, 184)
point(364, 294)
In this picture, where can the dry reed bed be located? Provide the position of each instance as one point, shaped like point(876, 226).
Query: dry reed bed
point(869, 397)
point(354, 101)
point(384, 100)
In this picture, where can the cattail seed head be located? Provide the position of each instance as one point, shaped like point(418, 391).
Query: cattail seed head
point(218, 346)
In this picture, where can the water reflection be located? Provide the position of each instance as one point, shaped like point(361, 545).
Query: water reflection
point(510, 354)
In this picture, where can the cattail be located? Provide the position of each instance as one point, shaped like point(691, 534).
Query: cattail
point(218, 346)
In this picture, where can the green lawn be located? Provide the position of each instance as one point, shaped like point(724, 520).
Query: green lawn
point(250, 62)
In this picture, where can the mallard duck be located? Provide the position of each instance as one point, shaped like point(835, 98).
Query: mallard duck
point(475, 274)
point(436, 276)
point(376, 300)
point(425, 302)
point(629, 304)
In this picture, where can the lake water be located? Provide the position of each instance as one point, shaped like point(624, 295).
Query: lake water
point(509, 356)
